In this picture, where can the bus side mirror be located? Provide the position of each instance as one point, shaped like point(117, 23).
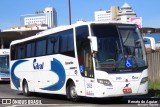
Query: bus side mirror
point(93, 41)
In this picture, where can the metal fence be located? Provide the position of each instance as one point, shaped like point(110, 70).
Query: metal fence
point(154, 66)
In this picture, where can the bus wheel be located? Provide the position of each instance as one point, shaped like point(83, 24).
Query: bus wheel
point(25, 89)
point(72, 93)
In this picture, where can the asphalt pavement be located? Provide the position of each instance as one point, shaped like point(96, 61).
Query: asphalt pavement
point(14, 98)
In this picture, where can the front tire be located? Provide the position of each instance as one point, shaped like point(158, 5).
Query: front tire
point(72, 93)
point(26, 89)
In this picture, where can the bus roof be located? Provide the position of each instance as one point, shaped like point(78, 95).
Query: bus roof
point(65, 27)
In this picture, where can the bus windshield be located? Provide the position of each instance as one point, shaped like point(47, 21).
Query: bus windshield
point(4, 63)
point(119, 47)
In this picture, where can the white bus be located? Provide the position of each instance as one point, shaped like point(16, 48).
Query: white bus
point(150, 44)
point(91, 59)
point(4, 65)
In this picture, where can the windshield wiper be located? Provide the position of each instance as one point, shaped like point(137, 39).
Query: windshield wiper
point(136, 63)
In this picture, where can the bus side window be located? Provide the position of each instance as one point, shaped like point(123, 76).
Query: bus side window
point(21, 51)
point(52, 44)
point(67, 44)
point(13, 53)
point(40, 47)
point(84, 52)
point(30, 50)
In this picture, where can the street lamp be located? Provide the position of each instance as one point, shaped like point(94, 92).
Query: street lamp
point(69, 7)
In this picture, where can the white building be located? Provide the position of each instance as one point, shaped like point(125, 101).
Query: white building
point(48, 16)
point(125, 13)
point(102, 15)
point(106, 15)
point(33, 19)
point(115, 13)
point(41, 20)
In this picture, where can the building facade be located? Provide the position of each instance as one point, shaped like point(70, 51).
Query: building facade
point(32, 19)
point(102, 15)
point(125, 13)
point(28, 27)
point(106, 15)
point(48, 17)
point(116, 13)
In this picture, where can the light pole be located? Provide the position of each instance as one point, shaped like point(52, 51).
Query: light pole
point(69, 7)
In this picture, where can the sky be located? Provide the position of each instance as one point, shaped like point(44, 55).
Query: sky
point(11, 10)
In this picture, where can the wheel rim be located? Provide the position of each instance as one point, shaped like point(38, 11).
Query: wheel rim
point(25, 88)
point(73, 92)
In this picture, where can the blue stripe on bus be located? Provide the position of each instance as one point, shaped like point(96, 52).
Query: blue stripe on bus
point(57, 68)
point(14, 78)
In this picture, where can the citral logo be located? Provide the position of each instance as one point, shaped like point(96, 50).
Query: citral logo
point(118, 78)
point(36, 65)
point(133, 77)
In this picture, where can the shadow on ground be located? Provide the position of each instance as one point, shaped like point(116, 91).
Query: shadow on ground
point(58, 99)
point(154, 93)
point(4, 82)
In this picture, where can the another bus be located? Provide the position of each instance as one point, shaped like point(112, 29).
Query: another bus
point(91, 59)
point(4, 65)
point(150, 44)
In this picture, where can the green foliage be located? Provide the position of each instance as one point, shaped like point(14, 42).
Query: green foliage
point(154, 88)
point(154, 85)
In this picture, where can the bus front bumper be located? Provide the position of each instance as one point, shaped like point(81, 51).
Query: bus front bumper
point(120, 90)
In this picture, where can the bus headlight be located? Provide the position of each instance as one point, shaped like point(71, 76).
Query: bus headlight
point(104, 82)
point(144, 79)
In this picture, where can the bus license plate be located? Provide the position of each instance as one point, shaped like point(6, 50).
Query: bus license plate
point(127, 90)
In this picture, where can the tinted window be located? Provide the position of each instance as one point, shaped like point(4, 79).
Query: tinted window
point(13, 53)
point(66, 43)
point(146, 41)
point(108, 42)
point(4, 62)
point(21, 51)
point(53, 44)
point(40, 47)
point(30, 49)
point(84, 52)
point(81, 37)
point(63, 47)
point(70, 44)
point(61, 42)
